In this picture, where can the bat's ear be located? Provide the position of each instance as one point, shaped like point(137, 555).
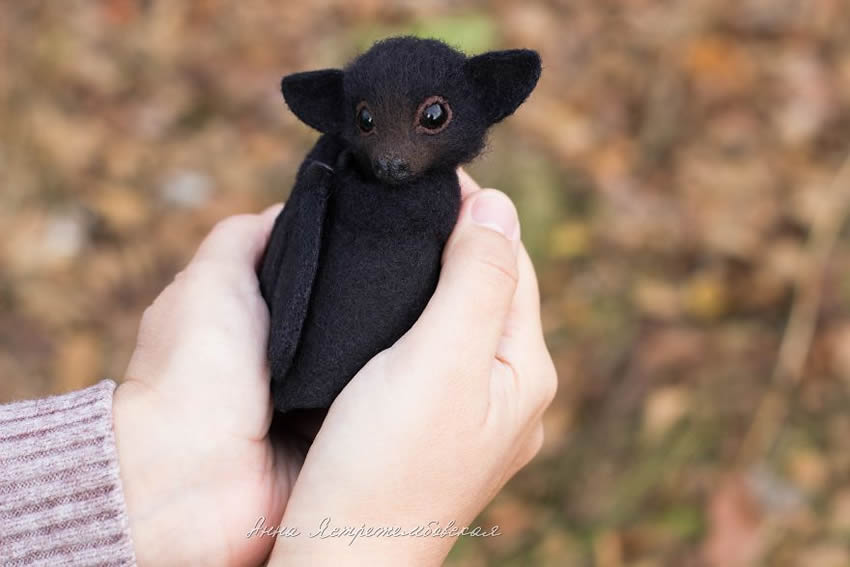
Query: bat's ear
point(503, 79)
point(316, 98)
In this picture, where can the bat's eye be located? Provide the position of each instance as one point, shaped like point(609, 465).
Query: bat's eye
point(364, 119)
point(434, 115)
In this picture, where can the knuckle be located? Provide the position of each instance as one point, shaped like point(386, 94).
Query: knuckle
point(537, 440)
point(548, 383)
point(151, 320)
point(497, 263)
point(148, 317)
point(193, 274)
point(234, 222)
point(532, 446)
point(226, 228)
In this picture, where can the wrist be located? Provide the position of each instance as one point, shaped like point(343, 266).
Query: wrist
point(327, 541)
point(153, 501)
point(341, 554)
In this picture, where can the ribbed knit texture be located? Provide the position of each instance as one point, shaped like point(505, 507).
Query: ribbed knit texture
point(61, 501)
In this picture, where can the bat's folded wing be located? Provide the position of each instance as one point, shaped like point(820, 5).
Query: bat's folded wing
point(290, 262)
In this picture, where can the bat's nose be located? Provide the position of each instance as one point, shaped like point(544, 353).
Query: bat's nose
point(391, 169)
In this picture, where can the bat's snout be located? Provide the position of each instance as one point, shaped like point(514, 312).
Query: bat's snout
point(391, 169)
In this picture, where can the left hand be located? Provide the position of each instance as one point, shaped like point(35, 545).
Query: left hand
point(192, 416)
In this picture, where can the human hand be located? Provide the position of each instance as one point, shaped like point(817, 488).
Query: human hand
point(192, 416)
point(432, 428)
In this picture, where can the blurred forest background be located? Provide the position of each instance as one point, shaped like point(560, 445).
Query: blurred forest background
point(677, 175)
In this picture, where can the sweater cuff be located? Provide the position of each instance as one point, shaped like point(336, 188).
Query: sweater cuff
point(61, 501)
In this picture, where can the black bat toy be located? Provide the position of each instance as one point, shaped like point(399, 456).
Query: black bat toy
point(355, 254)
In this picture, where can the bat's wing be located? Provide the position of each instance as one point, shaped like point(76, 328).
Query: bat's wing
point(290, 262)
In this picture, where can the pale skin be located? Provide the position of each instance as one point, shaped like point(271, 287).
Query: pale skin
point(428, 431)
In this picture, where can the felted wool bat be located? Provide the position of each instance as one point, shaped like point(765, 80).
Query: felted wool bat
point(355, 254)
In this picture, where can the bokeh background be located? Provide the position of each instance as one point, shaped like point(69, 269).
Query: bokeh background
point(677, 172)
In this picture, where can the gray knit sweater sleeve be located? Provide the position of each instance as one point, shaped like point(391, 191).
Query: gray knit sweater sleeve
point(61, 501)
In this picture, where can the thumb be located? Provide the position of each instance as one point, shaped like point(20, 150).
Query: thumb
point(467, 312)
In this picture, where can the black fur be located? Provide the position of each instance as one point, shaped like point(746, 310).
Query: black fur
point(355, 255)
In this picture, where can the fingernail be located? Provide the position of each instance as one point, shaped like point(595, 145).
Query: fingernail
point(495, 211)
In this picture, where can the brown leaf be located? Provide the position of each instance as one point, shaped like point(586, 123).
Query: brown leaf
point(78, 362)
point(736, 536)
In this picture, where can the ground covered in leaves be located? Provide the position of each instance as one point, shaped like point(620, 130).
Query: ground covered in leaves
point(675, 172)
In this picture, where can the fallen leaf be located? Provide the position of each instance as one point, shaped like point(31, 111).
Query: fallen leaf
point(736, 536)
point(663, 409)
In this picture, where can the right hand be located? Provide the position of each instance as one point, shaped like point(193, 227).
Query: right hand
point(433, 427)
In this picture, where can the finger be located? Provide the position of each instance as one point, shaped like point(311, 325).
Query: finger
point(467, 312)
point(238, 240)
point(529, 448)
point(467, 184)
point(523, 346)
point(523, 323)
point(271, 212)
